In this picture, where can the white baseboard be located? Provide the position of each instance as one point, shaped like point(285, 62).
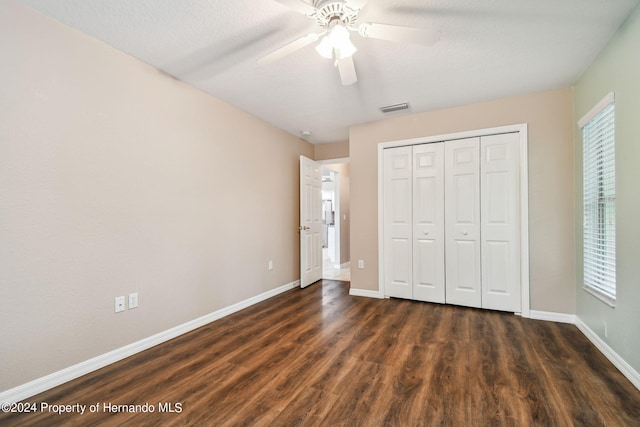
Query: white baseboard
point(550, 316)
point(55, 379)
point(626, 369)
point(365, 293)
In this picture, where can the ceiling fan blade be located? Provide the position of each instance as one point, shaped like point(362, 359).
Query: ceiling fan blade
point(288, 49)
point(299, 6)
point(347, 71)
point(399, 34)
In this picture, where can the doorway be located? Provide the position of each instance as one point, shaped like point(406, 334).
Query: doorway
point(335, 221)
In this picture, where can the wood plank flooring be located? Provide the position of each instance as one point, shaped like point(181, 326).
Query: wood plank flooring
point(319, 357)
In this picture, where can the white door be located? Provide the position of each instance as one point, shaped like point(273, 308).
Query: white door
point(397, 222)
point(428, 223)
point(310, 222)
point(462, 222)
point(500, 213)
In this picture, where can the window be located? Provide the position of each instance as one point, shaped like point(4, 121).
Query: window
point(599, 198)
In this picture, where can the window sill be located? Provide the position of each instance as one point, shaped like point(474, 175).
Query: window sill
point(611, 302)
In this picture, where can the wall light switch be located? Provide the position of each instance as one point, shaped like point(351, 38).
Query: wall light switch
point(119, 304)
point(360, 263)
point(133, 300)
point(270, 265)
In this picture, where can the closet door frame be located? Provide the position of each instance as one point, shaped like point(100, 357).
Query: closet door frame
point(521, 129)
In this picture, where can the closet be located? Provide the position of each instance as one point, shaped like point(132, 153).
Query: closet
point(451, 222)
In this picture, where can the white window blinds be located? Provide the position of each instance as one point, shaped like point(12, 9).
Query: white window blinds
point(598, 137)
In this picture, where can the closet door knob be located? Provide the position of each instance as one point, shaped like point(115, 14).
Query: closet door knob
point(464, 233)
point(426, 233)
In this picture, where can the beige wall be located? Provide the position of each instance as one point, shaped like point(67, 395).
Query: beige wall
point(337, 150)
point(617, 69)
point(345, 208)
point(549, 116)
point(115, 178)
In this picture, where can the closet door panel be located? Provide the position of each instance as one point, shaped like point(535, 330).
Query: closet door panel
point(397, 222)
point(428, 222)
point(500, 213)
point(462, 222)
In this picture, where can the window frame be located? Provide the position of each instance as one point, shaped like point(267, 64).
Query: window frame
point(599, 200)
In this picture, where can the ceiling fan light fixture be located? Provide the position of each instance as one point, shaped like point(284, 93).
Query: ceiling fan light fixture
point(342, 42)
point(337, 44)
point(325, 48)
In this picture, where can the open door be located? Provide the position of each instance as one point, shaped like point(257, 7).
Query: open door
point(310, 222)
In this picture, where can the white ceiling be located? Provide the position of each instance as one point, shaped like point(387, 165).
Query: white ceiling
point(488, 49)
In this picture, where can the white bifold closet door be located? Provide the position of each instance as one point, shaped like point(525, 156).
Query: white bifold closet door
point(428, 223)
point(500, 222)
point(451, 222)
point(414, 222)
point(398, 214)
point(462, 222)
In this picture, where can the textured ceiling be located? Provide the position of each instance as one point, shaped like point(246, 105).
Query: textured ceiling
point(488, 49)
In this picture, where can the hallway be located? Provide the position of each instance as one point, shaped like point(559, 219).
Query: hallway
point(330, 272)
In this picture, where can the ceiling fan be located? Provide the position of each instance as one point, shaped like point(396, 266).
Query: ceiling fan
point(337, 18)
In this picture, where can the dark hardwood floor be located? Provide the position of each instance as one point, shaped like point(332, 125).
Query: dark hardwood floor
point(318, 356)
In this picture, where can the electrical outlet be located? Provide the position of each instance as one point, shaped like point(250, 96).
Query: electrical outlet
point(360, 263)
point(270, 265)
point(133, 300)
point(119, 304)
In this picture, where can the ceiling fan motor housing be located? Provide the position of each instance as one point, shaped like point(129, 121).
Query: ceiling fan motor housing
point(328, 11)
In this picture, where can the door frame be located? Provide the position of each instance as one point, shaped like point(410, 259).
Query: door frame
point(524, 198)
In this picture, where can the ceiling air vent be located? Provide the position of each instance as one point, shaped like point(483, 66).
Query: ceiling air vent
point(393, 108)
